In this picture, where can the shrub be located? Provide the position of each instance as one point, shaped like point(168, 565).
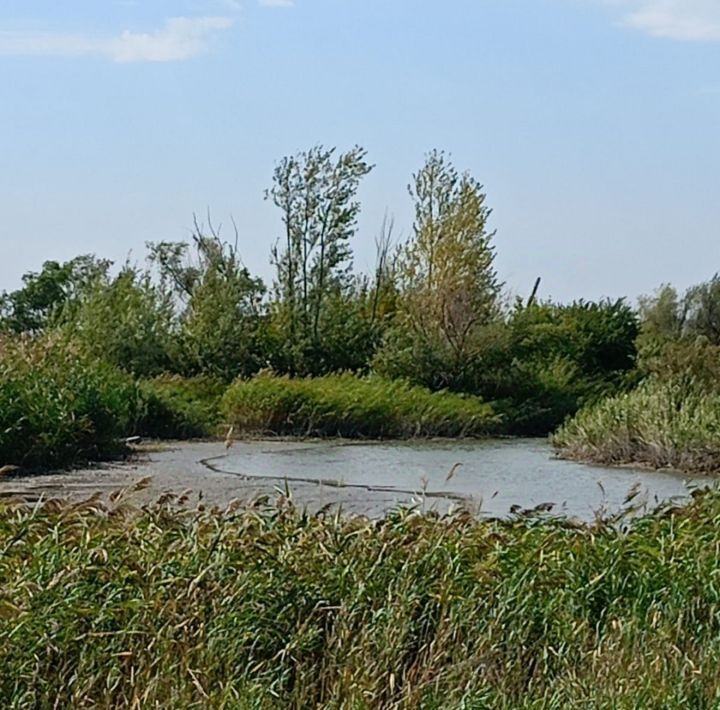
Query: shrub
point(345, 405)
point(58, 407)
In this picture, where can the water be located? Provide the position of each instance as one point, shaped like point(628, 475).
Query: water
point(489, 477)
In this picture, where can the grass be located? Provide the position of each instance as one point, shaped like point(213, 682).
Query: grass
point(664, 423)
point(346, 405)
point(180, 408)
point(57, 407)
point(268, 607)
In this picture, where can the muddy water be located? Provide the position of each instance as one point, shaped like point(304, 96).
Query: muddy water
point(489, 477)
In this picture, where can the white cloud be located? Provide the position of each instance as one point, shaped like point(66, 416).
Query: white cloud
point(180, 38)
point(688, 20)
point(277, 3)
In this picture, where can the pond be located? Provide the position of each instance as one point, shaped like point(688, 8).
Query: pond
point(489, 477)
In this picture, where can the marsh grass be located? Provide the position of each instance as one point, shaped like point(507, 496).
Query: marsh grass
point(664, 423)
point(266, 606)
point(175, 407)
point(58, 407)
point(346, 405)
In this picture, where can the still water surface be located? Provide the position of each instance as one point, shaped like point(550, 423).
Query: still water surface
point(492, 475)
point(371, 478)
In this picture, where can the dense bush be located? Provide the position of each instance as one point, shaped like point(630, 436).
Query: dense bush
point(345, 405)
point(538, 365)
point(126, 321)
point(269, 607)
point(58, 407)
point(174, 407)
point(557, 358)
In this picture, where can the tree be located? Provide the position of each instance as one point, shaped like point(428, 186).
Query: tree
point(316, 192)
point(219, 303)
point(127, 321)
point(44, 295)
point(449, 287)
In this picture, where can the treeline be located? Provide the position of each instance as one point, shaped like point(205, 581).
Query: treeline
point(432, 313)
point(672, 419)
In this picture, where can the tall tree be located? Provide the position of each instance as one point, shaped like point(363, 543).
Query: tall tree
point(218, 300)
point(449, 286)
point(44, 295)
point(316, 191)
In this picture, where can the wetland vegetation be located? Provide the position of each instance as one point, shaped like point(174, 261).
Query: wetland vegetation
point(266, 605)
point(190, 342)
point(269, 607)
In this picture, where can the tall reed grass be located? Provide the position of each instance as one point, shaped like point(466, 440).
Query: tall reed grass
point(175, 407)
point(269, 607)
point(666, 422)
point(58, 407)
point(346, 405)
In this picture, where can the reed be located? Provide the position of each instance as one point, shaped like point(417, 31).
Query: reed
point(664, 423)
point(58, 407)
point(266, 606)
point(175, 407)
point(350, 406)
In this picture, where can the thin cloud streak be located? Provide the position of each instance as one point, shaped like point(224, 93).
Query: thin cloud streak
point(180, 38)
point(277, 3)
point(684, 20)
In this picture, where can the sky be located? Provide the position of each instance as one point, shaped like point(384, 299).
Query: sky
point(594, 126)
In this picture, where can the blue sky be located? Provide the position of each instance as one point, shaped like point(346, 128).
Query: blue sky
point(593, 124)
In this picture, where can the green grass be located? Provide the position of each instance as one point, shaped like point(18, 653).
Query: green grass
point(346, 405)
point(57, 407)
point(180, 408)
point(269, 607)
point(666, 422)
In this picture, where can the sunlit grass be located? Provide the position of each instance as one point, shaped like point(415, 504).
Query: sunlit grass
point(346, 405)
point(270, 607)
point(672, 422)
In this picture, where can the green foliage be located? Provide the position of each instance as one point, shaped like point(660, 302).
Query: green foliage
point(126, 321)
point(174, 407)
point(59, 407)
point(345, 405)
point(270, 607)
point(350, 336)
point(219, 323)
point(44, 295)
point(555, 358)
point(448, 285)
point(668, 317)
point(316, 193)
point(538, 366)
point(672, 419)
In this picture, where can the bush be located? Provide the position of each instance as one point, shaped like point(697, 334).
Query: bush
point(58, 407)
point(537, 366)
point(174, 407)
point(126, 321)
point(345, 405)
